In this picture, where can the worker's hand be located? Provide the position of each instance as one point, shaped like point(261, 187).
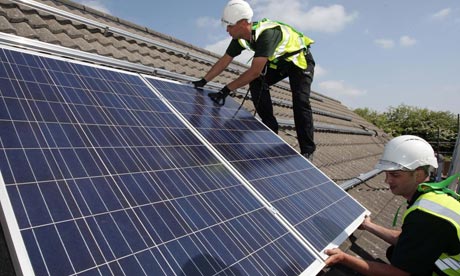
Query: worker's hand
point(365, 223)
point(198, 84)
point(335, 256)
point(219, 97)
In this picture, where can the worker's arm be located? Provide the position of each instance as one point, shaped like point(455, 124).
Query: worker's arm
point(336, 256)
point(257, 65)
point(249, 75)
point(388, 235)
point(218, 67)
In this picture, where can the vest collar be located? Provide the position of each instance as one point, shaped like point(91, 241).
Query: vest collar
point(253, 32)
point(416, 195)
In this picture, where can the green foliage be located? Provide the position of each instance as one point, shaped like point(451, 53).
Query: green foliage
point(433, 126)
point(373, 117)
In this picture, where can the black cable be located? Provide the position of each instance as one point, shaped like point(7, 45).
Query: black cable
point(263, 86)
point(241, 105)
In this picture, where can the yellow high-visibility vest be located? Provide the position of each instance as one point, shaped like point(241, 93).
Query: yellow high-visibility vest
point(291, 41)
point(447, 208)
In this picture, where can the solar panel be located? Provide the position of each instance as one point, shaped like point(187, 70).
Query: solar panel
point(99, 176)
point(302, 194)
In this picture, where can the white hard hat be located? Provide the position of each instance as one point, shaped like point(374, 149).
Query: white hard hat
point(406, 152)
point(235, 11)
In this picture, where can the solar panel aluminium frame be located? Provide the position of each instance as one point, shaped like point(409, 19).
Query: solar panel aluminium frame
point(13, 40)
point(316, 267)
point(12, 234)
point(20, 248)
point(336, 242)
point(21, 260)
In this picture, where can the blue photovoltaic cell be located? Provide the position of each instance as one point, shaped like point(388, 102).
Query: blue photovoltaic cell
point(104, 179)
point(317, 207)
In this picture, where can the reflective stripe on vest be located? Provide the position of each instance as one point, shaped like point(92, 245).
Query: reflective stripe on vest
point(445, 207)
point(448, 263)
point(291, 41)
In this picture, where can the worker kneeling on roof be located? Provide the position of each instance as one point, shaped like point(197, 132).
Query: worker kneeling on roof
point(280, 51)
point(429, 240)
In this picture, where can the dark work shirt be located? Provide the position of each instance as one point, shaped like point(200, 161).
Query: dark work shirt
point(423, 239)
point(264, 46)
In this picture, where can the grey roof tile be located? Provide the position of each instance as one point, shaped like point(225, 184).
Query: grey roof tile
point(340, 156)
point(47, 36)
point(14, 15)
point(35, 21)
point(7, 3)
point(23, 29)
point(6, 26)
point(65, 40)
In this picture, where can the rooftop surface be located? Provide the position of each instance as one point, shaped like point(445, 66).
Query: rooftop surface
point(347, 145)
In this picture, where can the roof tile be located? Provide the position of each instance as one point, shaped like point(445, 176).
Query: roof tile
point(339, 155)
point(5, 26)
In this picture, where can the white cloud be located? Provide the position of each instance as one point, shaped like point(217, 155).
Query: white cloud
point(245, 57)
point(206, 22)
point(385, 43)
point(442, 14)
point(221, 46)
point(330, 19)
point(95, 4)
point(339, 88)
point(319, 71)
point(404, 41)
point(407, 41)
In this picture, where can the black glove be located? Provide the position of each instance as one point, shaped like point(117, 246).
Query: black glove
point(219, 97)
point(199, 83)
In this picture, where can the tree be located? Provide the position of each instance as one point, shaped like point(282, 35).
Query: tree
point(371, 116)
point(432, 126)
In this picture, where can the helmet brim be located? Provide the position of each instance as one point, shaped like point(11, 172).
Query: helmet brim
point(385, 165)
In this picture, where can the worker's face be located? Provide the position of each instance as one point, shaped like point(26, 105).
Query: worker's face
point(237, 30)
point(403, 183)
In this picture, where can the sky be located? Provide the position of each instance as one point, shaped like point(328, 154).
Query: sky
point(369, 54)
